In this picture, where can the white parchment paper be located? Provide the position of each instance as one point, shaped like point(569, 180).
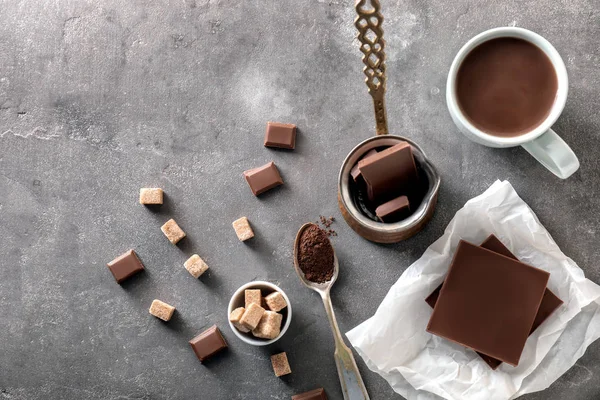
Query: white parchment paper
point(418, 365)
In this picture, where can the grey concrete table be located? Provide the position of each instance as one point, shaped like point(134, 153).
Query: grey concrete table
point(99, 98)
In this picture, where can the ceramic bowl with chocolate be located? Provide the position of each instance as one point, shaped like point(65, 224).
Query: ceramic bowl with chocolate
point(259, 313)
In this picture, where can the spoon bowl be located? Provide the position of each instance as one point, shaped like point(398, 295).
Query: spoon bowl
point(321, 288)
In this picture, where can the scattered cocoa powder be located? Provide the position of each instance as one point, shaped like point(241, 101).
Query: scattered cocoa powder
point(315, 254)
point(326, 222)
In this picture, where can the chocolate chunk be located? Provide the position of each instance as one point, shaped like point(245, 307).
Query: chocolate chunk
point(125, 265)
point(317, 394)
point(280, 135)
point(263, 178)
point(355, 171)
point(208, 343)
point(390, 173)
point(550, 302)
point(488, 302)
point(394, 210)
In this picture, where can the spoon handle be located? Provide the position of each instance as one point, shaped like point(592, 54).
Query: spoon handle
point(370, 34)
point(353, 386)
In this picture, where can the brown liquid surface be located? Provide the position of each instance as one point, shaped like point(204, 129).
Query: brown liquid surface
point(506, 87)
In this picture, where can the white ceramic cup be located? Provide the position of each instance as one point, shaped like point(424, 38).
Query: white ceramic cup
point(238, 299)
point(541, 142)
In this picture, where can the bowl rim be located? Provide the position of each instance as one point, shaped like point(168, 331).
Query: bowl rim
point(259, 341)
point(388, 228)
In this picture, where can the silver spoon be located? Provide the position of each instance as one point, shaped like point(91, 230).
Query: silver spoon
point(353, 387)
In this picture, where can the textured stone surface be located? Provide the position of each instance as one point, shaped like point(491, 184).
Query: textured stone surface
point(98, 99)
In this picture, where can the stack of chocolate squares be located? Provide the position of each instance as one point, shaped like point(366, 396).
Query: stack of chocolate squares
point(392, 181)
point(491, 302)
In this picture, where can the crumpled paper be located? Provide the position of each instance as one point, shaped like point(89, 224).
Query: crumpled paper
point(421, 366)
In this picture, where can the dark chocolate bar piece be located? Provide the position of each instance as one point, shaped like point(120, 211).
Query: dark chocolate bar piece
point(394, 210)
point(280, 135)
point(550, 302)
point(390, 173)
point(317, 394)
point(263, 178)
point(355, 172)
point(208, 343)
point(488, 302)
point(125, 265)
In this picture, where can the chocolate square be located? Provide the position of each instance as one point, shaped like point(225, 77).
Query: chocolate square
point(355, 171)
point(393, 210)
point(390, 173)
point(280, 135)
point(125, 265)
point(550, 302)
point(488, 302)
point(208, 343)
point(317, 394)
point(263, 178)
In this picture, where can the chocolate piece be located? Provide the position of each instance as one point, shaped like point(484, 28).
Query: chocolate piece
point(280, 363)
point(394, 210)
point(488, 302)
point(263, 178)
point(390, 173)
point(315, 255)
point(280, 135)
point(208, 343)
point(125, 265)
point(317, 394)
point(355, 171)
point(550, 302)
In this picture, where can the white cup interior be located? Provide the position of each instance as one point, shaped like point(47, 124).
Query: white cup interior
point(238, 300)
point(559, 101)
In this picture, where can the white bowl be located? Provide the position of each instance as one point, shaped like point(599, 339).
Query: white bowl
point(237, 300)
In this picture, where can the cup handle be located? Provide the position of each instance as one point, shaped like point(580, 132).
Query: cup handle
point(553, 153)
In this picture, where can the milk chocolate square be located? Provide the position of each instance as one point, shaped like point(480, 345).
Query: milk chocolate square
point(394, 210)
point(389, 173)
point(125, 265)
point(550, 302)
point(280, 135)
point(355, 171)
point(208, 343)
point(488, 302)
point(317, 394)
point(263, 178)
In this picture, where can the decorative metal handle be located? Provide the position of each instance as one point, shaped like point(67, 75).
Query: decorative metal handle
point(353, 387)
point(370, 34)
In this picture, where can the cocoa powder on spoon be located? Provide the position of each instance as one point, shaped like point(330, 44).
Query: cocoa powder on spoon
point(315, 255)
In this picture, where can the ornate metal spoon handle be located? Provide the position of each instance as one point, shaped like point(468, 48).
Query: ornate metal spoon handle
point(370, 34)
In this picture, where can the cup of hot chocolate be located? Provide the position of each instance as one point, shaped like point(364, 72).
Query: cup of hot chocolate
point(507, 87)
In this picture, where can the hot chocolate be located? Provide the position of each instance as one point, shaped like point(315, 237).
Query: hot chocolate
point(506, 86)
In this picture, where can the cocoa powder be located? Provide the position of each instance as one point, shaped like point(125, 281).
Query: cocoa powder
point(315, 255)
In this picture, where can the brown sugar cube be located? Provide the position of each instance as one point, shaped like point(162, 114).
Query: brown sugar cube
point(195, 266)
point(269, 326)
point(172, 231)
point(281, 366)
point(161, 310)
point(124, 266)
point(243, 230)
point(235, 317)
point(252, 296)
point(275, 301)
point(252, 316)
point(151, 196)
